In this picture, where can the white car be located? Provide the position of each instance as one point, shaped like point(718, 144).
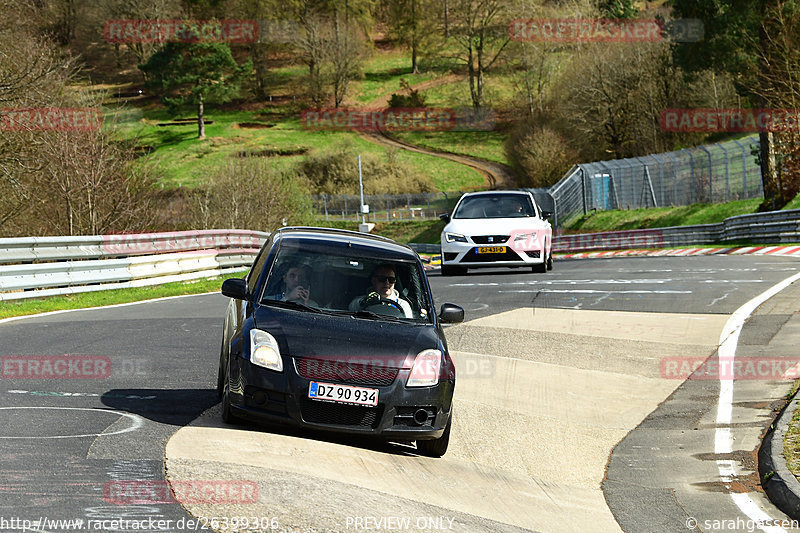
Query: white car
point(496, 229)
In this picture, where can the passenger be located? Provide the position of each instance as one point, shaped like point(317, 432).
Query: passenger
point(383, 280)
point(296, 286)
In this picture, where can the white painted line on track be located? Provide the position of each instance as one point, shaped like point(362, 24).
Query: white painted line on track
point(136, 423)
point(723, 439)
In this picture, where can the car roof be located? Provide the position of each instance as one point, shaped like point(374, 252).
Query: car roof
point(341, 237)
point(492, 193)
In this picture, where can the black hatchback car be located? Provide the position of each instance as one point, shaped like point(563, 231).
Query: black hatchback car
point(336, 330)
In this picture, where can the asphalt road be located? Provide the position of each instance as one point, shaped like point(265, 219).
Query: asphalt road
point(65, 441)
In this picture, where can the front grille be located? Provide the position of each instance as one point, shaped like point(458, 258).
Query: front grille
point(375, 375)
point(450, 256)
point(490, 239)
point(473, 257)
point(319, 412)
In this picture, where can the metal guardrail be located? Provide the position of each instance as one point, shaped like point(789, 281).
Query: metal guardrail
point(34, 267)
point(764, 228)
point(774, 227)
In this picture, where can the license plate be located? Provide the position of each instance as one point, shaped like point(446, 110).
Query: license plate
point(491, 249)
point(343, 394)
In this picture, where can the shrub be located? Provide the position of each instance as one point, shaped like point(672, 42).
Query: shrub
point(539, 154)
point(335, 171)
point(248, 194)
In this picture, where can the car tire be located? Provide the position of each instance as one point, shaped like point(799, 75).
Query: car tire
point(448, 270)
point(540, 268)
point(227, 413)
point(436, 447)
point(220, 371)
point(550, 261)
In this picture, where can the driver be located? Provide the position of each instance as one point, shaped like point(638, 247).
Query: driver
point(383, 279)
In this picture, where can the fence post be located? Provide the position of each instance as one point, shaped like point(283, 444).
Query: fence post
point(325, 201)
point(744, 166)
point(710, 176)
point(583, 187)
point(691, 168)
point(727, 176)
point(674, 178)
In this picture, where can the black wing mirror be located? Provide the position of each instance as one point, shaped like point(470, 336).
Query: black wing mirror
point(547, 214)
point(451, 314)
point(235, 288)
point(445, 217)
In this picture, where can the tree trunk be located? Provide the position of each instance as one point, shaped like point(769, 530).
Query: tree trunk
point(201, 124)
point(446, 19)
point(414, 68)
point(766, 149)
point(769, 174)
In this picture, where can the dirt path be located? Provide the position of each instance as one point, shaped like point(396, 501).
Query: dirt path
point(497, 175)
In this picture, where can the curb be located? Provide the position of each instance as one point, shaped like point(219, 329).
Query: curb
point(791, 251)
point(782, 487)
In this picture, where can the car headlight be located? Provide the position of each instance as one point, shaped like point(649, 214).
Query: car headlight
point(525, 236)
point(454, 237)
point(425, 371)
point(264, 350)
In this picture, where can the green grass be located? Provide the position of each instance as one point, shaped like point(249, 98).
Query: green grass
point(791, 442)
point(489, 145)
point(662, 217)
point(404, 231)
point(382, 75)
point(110, 297)
point(185, 161)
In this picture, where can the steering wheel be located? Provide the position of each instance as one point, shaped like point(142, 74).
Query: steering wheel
point(383, 306)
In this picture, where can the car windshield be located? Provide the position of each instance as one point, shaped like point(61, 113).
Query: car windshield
point(364, 287)
point(495, 206)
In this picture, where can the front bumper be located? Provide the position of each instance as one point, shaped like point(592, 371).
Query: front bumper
point(466, 254)
point(262, 395)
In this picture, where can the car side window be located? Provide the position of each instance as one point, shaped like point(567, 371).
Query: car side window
point(258, 266)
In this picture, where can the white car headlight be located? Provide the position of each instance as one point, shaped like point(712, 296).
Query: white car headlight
point(533, 237)
point(454, 237)
point(425, 372)
point(264, 350)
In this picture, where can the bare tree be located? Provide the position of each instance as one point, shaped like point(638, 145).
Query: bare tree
point(267, 199)
point(141, 10)
point(334, 51)
point(480, 31)
point(32, 74)
point(779, 87)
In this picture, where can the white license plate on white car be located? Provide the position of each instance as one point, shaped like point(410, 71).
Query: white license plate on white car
point(343, 393)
